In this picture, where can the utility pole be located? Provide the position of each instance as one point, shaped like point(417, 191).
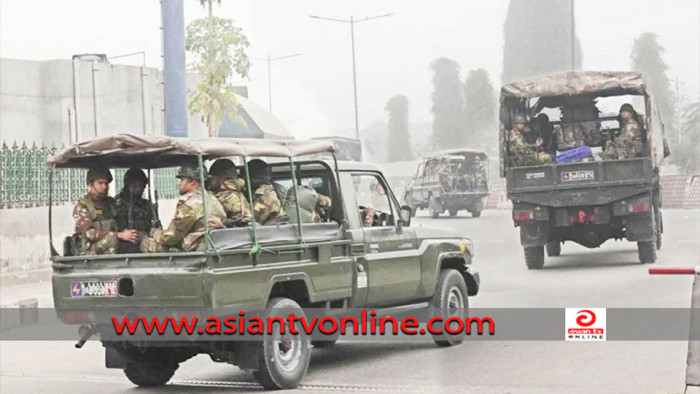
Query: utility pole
point(573, 37)
point(269, 61)
point(352, 22)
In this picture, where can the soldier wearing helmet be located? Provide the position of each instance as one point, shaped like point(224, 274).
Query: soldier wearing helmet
point(96, 226)
point(186, 230)
point(229, 189)
point(268, 196)
point(521, 152)
point(629, 143)
point(134, 211)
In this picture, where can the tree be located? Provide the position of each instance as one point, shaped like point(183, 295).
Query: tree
point(647, 58)
point(448, 115)
point(399, 143)
point(537, 39)
point(480, 110)
point(687, 155)
point(219, 48)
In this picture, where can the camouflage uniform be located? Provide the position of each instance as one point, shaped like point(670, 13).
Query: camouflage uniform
point(234, 202)
point(523, 153)
point(323, 203)
point(186, 230)
point(95, 225)
point(267, 207)
point(445, 175)
point(627, 145)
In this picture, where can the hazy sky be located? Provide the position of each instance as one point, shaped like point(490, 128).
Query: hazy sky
point(312, 93)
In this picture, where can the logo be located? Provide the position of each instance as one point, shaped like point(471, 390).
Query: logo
point(588, 175)
point(585, 324)
point(107, 288)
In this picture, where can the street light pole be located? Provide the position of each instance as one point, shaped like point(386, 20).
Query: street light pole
point(352, 22)
point(269, 61)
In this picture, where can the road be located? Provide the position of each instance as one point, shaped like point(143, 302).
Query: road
point(605, 277)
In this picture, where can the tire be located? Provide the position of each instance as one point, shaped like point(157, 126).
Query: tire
point(435, 207)
point(329, 341)
point(149, 375)
point(553, 249)
point(647, 252)
point(283, 359)
point(534, 257)
point(476, 214)
point(450, 300)
point(453, 211)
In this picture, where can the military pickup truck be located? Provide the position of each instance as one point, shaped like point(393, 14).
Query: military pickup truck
point(583, 199)
point(342, 263)
point(463, 186)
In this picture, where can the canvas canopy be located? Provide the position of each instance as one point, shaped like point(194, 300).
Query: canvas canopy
point(128, 150)
point(598, 83)
point(460, 152)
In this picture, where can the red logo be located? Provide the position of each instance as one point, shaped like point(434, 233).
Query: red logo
point(586, 318)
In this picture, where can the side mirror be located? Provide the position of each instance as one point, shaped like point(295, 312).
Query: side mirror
point(405, 215)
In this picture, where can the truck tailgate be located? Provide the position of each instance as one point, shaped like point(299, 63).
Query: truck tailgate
point(579, 175)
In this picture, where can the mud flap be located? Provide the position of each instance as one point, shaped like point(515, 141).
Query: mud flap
point(114, 358)
point(692, 377)
point(534, 234)
point(639, 228)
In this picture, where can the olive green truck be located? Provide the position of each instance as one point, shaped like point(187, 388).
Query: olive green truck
point(365, 254)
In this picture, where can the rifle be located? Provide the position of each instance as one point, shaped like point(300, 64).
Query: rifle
point(130, 220)
point(155, 220)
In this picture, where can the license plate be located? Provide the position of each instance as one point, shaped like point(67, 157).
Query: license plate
point(104, 288)
point(577, 176)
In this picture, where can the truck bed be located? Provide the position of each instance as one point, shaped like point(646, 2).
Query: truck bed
point(588, 183)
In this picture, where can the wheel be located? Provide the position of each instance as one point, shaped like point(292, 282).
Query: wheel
point(283, 359)
point(553, 249)
point(435, 207)
point(149, 375)
point(476, 214)
point(450, 300)
point(647, 251)
point(453, 211)
point(534, 257)
point(327, 341)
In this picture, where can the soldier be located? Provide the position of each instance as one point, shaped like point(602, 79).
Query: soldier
point(267, 195)
point(545, 130)
point(479, 174)
point(95, 224)
point(629, 143)
point(186, 230)
point(134, 211)
point(521, 152)
point(229, 189)
point(444, 173)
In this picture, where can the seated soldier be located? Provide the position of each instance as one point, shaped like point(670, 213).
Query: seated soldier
point(545, 130)
point(444, 172)
point(229, 189)
point(479, 174)
point(96, 227)
point(134, 211)
point(186, 230)
point(267, 195)
point(629, 143)
point(521, 152)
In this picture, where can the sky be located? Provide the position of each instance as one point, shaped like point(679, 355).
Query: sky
point(312, 93)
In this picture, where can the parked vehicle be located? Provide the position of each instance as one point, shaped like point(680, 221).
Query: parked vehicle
point(333, 265)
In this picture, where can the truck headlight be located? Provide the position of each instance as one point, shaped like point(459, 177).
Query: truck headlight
point(466, 246)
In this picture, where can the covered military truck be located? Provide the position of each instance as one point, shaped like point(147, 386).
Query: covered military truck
point(338, 264)
point(580, 197)
point(450, 180)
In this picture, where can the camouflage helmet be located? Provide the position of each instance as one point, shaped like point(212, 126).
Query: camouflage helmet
point(223, 167)
point(135, 174)
point(98, 172)
point(627, 107)
point(190, 170)
point(519, 119)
